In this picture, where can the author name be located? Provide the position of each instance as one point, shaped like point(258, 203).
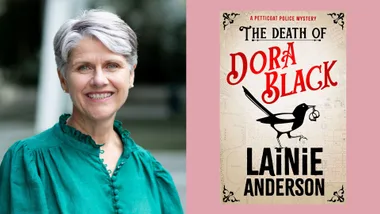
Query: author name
point(289, 172)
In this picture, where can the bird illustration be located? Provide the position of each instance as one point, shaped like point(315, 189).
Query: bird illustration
point(283, 123)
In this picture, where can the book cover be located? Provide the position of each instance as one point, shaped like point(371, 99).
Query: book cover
point(283, 107)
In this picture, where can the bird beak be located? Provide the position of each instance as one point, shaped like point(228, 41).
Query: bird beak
point(311, 106)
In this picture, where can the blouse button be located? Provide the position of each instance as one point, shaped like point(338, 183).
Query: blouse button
point(119, 211)
point(116, 198)
point(116, 192)
point(113, 178)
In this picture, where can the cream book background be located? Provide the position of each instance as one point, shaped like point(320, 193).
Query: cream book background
point(239, 129)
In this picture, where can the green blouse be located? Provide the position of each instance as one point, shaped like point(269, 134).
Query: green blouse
point(59, 171)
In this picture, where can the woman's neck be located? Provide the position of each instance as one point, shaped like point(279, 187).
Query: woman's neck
point(102, 132)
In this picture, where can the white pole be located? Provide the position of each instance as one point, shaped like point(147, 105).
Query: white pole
point(51, 101)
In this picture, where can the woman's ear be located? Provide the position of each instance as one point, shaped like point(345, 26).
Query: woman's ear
point(62, 80)
point(132, 77)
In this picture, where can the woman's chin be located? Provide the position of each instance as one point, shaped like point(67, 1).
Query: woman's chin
point(101, 114)
point(96, 113)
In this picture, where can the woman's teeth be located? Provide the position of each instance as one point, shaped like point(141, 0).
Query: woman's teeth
point(99, 96)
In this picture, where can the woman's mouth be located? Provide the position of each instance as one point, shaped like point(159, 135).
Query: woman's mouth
point(99, 96)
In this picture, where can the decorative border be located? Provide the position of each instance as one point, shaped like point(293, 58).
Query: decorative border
point(228, 19)
point(228, 196)
point(338, 18)
point(338, 196)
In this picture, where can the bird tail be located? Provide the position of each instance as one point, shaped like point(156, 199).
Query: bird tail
point(256, 102)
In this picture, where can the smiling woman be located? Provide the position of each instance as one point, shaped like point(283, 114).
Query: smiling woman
point(87, 162)
point(97, 80)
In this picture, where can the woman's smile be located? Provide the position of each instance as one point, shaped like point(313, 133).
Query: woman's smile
point(99, 96)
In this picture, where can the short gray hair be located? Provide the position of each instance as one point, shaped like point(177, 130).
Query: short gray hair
point(107, 27)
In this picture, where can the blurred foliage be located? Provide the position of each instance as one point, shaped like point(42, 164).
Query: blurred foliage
point(160, 26)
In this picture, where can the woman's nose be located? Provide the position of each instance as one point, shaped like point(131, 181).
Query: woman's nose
point(100, 78)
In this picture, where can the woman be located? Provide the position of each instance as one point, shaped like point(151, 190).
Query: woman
point(87, 163)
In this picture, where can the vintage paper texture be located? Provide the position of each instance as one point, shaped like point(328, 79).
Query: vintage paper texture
point(238, 126)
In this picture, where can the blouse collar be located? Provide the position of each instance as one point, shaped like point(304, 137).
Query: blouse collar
point(83, 141)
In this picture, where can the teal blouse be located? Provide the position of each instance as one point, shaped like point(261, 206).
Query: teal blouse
point(59, 171)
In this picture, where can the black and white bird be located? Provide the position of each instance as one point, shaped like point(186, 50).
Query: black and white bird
point(283, 123)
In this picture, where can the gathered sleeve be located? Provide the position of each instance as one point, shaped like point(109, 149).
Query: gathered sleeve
point(21, 189)
point(169, 198)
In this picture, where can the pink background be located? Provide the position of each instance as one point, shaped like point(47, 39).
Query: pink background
point(363, 109)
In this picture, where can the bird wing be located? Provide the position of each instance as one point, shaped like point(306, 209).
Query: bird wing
point(257, 103)
point(278, 118)
point(285, 116)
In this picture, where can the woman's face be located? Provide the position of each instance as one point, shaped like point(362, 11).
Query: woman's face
point(97, 80)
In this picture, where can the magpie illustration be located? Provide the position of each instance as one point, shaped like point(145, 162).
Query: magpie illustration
point(283, 123)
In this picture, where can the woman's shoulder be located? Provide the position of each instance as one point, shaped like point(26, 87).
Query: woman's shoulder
point(143, 153)
point(147, 157)
point(41, 140)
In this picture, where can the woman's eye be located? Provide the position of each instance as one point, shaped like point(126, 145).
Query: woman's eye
point(84, 68)
point(112, 66)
